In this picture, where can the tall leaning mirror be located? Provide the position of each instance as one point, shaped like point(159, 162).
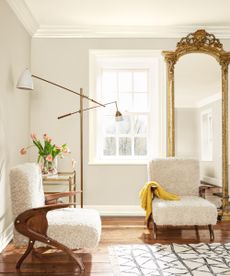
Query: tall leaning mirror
point(197, 106)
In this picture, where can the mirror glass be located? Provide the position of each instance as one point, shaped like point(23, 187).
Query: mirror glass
point(198, 131)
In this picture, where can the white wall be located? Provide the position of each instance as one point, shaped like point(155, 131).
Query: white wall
point(213, 168)
point(14, 106)
point(66, 61)
point(186, 133)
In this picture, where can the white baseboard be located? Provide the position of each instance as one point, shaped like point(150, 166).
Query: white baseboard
point(6, 236)
point(118, 210)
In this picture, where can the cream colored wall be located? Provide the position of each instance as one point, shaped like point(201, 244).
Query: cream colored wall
point(213, 168)
point(67, 61)
point(186, 133)
point(14, 105)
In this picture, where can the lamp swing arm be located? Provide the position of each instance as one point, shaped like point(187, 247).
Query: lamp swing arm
point(86, 109)
point(65, 88)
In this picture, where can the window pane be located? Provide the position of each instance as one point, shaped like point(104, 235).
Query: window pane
point(110, 146)
point(125, 101)
point(140, 102)
point(109, 85)
point(140, 81)
point(110, 127)
point(125, 146)
point(125, 81)
point(124, 127)
point(140, 124)
point(140, 146)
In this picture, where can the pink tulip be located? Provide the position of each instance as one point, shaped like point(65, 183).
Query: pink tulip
point(46, 137)
point(33, 136)
point(23, 151)
point(49, 158)
point(66, 150)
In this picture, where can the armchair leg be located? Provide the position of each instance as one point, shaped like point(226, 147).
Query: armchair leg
point(154, 230)
point(69, 252)
point(210, 227)
point(197, 232)
point(26, 253)
point(149, 221)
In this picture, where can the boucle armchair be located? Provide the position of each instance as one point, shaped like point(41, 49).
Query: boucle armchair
point(181, 177)
point(37, 218)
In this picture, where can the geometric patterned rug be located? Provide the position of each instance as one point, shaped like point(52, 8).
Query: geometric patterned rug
point(171, 259)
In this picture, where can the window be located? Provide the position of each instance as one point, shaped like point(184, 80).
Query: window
point(127, 138)
point(206, 135)
point(132, 81)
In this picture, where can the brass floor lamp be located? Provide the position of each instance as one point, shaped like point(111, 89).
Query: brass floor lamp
point(26, 82)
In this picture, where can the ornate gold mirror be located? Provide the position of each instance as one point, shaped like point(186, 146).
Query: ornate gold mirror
point(196, 44)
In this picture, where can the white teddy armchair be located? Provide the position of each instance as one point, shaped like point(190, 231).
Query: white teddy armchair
point(53, 224)
point(181, 177)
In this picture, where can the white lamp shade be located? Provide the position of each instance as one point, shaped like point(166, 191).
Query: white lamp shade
point(25, 81)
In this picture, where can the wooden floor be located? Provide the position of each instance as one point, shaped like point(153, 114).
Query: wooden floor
point(116, 230)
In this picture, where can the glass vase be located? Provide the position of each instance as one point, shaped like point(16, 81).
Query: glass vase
point(48, 167)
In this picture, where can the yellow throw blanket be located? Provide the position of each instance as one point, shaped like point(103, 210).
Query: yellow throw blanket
point(146, 196)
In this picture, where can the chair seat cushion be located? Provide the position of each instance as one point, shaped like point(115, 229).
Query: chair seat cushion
point(75, 228)
point(189, 210)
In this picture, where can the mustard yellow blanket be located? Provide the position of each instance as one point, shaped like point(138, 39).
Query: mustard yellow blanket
point(146, 196)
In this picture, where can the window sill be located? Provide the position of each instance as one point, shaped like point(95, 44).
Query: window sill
point(118, 162)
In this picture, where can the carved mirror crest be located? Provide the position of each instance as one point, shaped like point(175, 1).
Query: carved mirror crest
point(203, 43)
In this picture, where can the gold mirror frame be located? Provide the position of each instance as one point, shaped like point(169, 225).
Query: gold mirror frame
point(201, 42)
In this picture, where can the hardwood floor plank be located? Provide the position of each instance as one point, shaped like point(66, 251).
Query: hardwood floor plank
point(115, 230)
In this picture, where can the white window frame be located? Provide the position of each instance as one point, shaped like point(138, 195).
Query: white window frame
point(139, 59)
point(206, 135)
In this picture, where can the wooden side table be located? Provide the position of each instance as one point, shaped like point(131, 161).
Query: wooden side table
point(208, 189)
point(62, 178)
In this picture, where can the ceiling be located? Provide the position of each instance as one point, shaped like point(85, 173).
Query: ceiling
point(122, 18)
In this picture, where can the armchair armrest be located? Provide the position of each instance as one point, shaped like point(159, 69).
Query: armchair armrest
point(153, 189)
point(53, 197)
point(33, 224)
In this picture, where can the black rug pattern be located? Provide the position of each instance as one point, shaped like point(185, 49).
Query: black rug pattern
point(171, 259)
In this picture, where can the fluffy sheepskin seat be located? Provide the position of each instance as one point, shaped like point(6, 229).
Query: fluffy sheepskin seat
point(73, 227)
point(189, 210)
point(182, 177)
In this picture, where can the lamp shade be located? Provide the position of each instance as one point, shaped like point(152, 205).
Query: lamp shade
point(118, 116)
point(25, 81)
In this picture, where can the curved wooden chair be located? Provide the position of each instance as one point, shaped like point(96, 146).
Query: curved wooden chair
point(40, 219)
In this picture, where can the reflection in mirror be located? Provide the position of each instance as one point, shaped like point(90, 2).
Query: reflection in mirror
point(198, 131)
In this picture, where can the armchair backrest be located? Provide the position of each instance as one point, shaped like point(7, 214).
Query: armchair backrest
point(176, 175)
point(26, 188)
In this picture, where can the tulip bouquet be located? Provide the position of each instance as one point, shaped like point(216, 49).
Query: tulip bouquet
point(47, 152)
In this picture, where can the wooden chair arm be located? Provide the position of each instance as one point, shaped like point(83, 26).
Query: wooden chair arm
point(56, 196)
point(33, 223)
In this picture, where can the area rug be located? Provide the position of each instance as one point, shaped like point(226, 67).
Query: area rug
point(171, 259)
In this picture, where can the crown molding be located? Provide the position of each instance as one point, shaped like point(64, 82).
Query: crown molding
point(45, 31)
point(24, 15)
point(209, 100)
point(96, 31)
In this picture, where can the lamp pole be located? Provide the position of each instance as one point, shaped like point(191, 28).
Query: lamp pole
point(81, 145)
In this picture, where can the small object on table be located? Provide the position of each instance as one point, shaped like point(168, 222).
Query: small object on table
point(62, 178)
